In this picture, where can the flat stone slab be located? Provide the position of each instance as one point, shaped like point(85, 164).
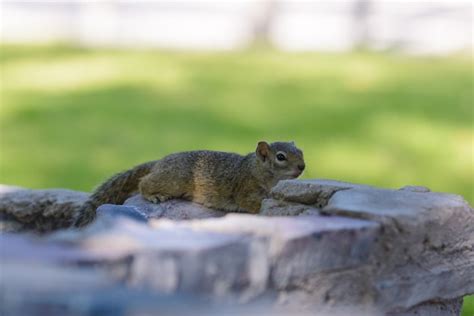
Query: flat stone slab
point(172, 209)
point(310, 192)
point(405, 205)
point(131, 212)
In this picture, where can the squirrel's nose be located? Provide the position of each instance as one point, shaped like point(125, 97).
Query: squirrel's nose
point(301, 167)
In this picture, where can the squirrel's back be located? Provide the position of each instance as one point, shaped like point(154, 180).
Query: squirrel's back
point(202, 165)
point(205, 177)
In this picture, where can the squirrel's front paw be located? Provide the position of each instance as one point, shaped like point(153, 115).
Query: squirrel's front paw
point(152, 199)
point(156, 198)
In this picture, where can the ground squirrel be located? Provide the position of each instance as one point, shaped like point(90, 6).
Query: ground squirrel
point(224, 181)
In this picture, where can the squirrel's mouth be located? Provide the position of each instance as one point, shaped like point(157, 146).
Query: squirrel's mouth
point(295, 175)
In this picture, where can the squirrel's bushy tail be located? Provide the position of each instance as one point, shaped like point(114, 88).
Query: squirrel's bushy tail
point(114, 191)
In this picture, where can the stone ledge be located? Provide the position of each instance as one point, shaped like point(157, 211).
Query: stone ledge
point(399, 252)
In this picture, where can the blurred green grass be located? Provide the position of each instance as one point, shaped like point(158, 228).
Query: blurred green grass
point(71, 117)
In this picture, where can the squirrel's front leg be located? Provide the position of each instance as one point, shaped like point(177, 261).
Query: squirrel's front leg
point(156, 198)
point(251, 204)
point(151, 189)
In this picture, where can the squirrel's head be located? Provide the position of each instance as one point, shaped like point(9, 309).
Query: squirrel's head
point(282, 159)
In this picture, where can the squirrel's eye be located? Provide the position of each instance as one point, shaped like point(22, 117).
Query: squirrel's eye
point(281, 157)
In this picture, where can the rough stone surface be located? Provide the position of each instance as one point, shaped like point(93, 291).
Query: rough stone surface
point(112, 210)
point(272, 207)
point(38, 210)
point(415, 188)
point(174, 259)
point(318, 245)
point(309, 192)
point(433, 308)
point(299, 247)
point(173, 209)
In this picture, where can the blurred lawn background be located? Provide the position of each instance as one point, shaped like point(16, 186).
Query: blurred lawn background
point(71, 117)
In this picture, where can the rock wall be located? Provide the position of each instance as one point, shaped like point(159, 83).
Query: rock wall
point(319, 246)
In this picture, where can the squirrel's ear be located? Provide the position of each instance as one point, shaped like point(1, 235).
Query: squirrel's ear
point(263, 150)
point(293, 143)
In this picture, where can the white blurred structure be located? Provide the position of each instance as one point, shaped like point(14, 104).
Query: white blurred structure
point(413, 26)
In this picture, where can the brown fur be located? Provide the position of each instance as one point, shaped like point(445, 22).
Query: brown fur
point(226, 181)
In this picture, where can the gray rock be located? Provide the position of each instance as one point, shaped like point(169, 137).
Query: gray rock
point(38, 210)
point(172, 209)
point(24, 249)
point(415, 188)
point(299, 246)
point(402, 252)
point(37, 289)
point(112, 210)
point(421, 230)
point(310, 192)
point(169, 260)
point(272, 207)
point(349, 289)
point(450, 307)
point(35, 277)
point(405, 205)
